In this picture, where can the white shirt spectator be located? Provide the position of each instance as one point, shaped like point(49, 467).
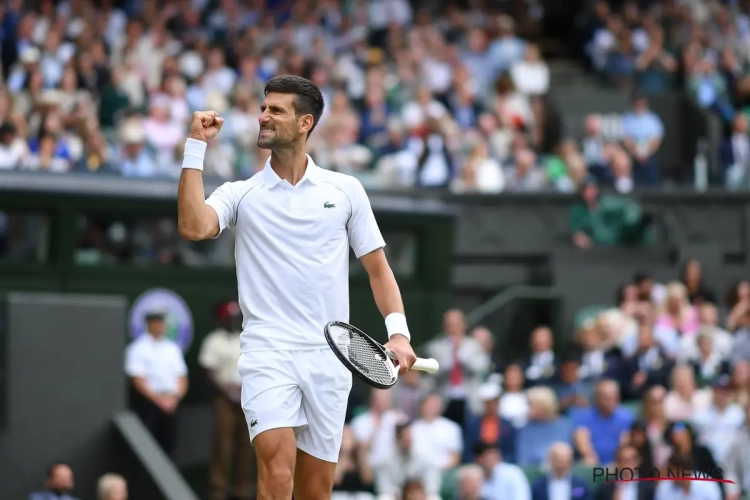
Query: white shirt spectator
point(396, 468)
point(278, 233)
point(13, 155)
point(220, 353)
point(530, 78)
point(381, 13)
point(699, 490)
point(157, 360)
point(381, 437)
point(515, 408)
point(507, 481)
point(439, 439)
point(716, 429)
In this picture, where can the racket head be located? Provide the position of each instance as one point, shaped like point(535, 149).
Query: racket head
point(363, 356)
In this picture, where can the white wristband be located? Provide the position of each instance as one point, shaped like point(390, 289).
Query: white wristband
point(395, 324)
point(195, 151)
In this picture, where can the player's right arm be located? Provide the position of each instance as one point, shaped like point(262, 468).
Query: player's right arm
point(196, 220)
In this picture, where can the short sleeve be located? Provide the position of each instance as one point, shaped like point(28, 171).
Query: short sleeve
point(180, 366)
point(457, 442)
point(658, 126)
point(135, 362)
point(581, 419)
point(364, 234)
point(224, 203)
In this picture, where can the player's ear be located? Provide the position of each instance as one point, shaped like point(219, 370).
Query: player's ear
point(305, 123)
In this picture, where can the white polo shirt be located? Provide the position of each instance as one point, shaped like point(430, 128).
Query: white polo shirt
point(159, 361)
point(292, 252)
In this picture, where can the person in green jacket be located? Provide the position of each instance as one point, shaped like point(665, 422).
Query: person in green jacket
point(606, 220)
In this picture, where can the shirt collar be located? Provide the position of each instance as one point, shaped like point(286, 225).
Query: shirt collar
point(312, 173)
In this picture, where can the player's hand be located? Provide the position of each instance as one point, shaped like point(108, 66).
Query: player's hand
point(205, 125)
point(401, 348)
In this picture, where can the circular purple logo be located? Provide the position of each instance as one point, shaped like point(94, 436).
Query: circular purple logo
point(178, 319)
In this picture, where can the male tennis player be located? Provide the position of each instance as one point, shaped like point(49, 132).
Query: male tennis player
point(293, 224)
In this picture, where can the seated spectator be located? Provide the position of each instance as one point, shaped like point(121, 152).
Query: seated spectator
point(620, 67)
point(112, 487)
point(486, 339)
point(48, 154)
point(524, 175)
point(501, 479)
point(480, 174)
point(639, 440)
point(625, 223)
point(648, 367)
point(374, 431)
point(571, 393)
point(541, 367)
point(408, 393)
point(562, 168)
point(708, 319)
point(470, 482)
point(437, 436)
point(58, 485)
point(531, 74)
point(627, 459)
point(741, 383)
point(709, 88)
point(600, 429)
point(158, 374)
point(545, 426)
point(596, 361)
point(132, 156)
point(655, 65)
point(655, 425)
point(716, 425)
point(738, 303)
point(513, 403)
point(14, 152)
point(593, 148)
point(406, 461)
point(737, 463)
point(677, 314)
point(348, 474)
point(681, 439)
point(643, 132)
point(684, 399)
point(463, 363)
point(621, 170)
point(560, 483)
point(708, 364)
point(414, 490)
point(490, 427)
point(735, 155)
point(689, 490)
point(697, 290)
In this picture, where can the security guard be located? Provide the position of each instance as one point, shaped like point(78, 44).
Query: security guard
point(157, 370)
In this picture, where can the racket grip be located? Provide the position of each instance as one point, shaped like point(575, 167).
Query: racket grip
point(426, 365)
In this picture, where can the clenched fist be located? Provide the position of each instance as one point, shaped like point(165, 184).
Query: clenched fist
point(205, 125)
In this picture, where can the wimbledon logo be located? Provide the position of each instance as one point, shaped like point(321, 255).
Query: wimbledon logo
point(178, 319)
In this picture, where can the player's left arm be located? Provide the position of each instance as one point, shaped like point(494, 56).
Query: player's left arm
point(367, 243)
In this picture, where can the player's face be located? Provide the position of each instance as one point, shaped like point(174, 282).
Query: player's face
point(279, 124)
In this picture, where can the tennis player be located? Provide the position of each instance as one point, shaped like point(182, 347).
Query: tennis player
point(293, 223)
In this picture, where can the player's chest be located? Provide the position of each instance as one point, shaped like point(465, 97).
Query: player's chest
point(311, 213)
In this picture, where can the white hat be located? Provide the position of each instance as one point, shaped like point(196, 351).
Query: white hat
point(489, 391)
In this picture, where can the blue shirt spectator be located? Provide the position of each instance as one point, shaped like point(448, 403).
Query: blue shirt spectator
point(561, 483)
point(502, 480)
point(544, 427)
point(643, 132)
point(598, 430)
point(59, 484)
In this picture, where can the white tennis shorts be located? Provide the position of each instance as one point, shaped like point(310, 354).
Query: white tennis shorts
point(305, 390)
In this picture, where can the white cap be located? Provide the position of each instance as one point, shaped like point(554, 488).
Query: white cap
point(489, 391)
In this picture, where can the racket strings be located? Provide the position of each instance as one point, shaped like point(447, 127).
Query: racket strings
point(369, 360)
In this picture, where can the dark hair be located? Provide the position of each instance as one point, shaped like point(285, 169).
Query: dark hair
point(640, 277)
point(481, 448)
point(680, 461)
point(308, 100)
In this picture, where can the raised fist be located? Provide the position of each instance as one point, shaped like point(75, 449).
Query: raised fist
point(205, 125)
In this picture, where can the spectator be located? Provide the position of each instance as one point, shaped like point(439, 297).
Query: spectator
point(709, 364)
point(158, 374)
point(684, 399)
point(648, 367)
point(439, 437)
point(741, 383)
point(513, 403)
point(708, 319)
point(525, 175)
point(593, 147)
point(481, 173)
point(687, 490)
point(639, 439)
point(531, 75)
point(463, 363)
point(374, 431)
point(542, 367)
point(621, 65)
point(656, 424)
point(406, 461)
point(501, 479)
point(596, 362)
point(625, 223)
point(489, 427)
point(627, 459)
point(709, 88)
point(655, 65)
point(735, 154)
point(133, 158)
point(348, 475)
point(682, 440)
point(486, 339)
point(600, 429)
point(112, 487)
point(470, 482)
point(677, 314)
point(697, 290)
point(642, 135)
point(561, 483)
point(219, 355)
point(571, 392)
point(545, 427)
point(716, 425)
point(409, 393)
point(737, 463)
point(507, 48)
point(58, 485)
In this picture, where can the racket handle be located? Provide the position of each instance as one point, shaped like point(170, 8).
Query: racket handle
point(426, 365)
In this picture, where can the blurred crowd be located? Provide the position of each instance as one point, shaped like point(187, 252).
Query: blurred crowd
point(60, 481)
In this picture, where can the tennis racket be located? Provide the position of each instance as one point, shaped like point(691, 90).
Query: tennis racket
point(366, 358)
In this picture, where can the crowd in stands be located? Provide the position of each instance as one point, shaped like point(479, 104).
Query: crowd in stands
point(60, 482)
